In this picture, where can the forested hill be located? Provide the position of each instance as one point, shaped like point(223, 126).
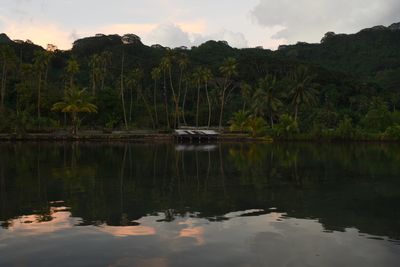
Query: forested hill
point(370, 53)
point(134, 85)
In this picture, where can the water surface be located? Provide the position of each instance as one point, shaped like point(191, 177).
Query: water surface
point(70, 204)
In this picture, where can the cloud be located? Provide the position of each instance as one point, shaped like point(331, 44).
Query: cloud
point(174, 35)
point(308, 20)
point(168, 35)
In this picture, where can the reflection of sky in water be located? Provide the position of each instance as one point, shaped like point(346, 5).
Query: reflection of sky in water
point(271, 239)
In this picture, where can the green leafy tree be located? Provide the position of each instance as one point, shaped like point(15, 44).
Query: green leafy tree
point(75, 101)
point(287, 127)
point(239, 121)
point(267, 98)
point(303, 89)
point(378, 117)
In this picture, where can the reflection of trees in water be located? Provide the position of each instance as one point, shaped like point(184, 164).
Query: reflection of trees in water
point(120, 183)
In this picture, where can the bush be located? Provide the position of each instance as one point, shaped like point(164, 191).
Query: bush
point(393, 132)
point(258, 126)
point(243, 122)
point(240, 121)
point(345, 129)
point(286, 128)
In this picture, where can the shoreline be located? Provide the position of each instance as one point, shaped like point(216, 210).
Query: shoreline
point(166, 138)
point(122, 137)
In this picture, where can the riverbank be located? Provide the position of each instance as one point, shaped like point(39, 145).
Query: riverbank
point(139, 137)
point(147, 137)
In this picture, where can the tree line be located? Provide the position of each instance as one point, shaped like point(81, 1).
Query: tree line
point(133, 86)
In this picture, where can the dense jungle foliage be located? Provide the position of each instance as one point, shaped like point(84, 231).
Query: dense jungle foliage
point(346, 87)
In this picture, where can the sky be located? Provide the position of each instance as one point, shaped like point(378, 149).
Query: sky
point(173, 23)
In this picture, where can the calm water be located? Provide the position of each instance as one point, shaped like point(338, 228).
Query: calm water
point(64, 204)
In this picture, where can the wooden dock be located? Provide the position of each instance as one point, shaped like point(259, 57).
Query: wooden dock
point(195, 135)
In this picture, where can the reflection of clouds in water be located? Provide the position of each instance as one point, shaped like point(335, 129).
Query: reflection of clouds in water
point(28, 225)
point(270, 239)
point(192, 230)
point(195, 232)
point(124, 231)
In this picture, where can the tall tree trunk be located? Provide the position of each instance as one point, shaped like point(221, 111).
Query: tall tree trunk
point(93, 83)
point(183, 104)
point(296, 109)
point(39, 96)
point(166, 101)
point(122, 91)
point(130, 105)
point(209, 106)
point(221, 114)
point(272, 119)
point(179, 95)
point(176, 115)
point(198, 104)
point(147, 108)
point(155, 103)
point(222, 109)
point(74, 123)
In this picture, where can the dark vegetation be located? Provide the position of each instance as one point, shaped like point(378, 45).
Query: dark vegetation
point(346, 87)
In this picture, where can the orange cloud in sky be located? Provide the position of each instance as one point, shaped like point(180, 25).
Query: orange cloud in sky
point(41, 33)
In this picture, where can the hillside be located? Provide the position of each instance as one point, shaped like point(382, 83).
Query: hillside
point(372, 54)
point(347, 73)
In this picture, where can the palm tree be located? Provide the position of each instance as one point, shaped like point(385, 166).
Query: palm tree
point(247, 92)
point(122, 90)
point(41, 65)
point(187, 80)
point(75, 101)
point(133, 81)
point(155, 75)
point(167, 63)
point(197, 75)
point(302, 91)
point(266, 98)
point(164, 66)
point(72, 69)
point(206, 76)
point(183, 62)
point(96, 69)
point(228, 69)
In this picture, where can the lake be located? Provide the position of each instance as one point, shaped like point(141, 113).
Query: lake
point(94, 204)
